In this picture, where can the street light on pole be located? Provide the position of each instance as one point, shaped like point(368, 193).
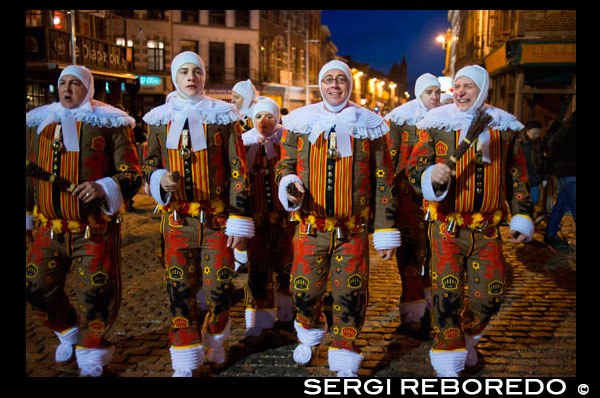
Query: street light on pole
point(307, 99)
point(72, 12)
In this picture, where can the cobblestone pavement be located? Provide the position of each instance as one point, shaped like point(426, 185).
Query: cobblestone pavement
point(533, 335)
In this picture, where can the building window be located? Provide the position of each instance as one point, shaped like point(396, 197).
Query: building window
point(155, 14)
point(33, 18)
point(216, 62)
point(242, 61)
point(189, 45)
point(156, 55)
point(190, 16)
point(40, 94)
point(59, 20)
point(242, 18)
point(125, 13)
point(216, 17)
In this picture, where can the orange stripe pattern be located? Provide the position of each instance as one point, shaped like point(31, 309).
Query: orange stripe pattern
point(199, 168)
point(318, 181)
point(465, 178)
point(69, 169)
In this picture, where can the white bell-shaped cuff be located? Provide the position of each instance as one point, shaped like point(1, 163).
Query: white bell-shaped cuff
point(308, 338)
point(427, 187)
point(68, 338)
point(92, 360)
point(258, 319)
point(185, 359)
point(29, 223)
point(282, 192)
point(155, 187)
point(386, 239)
point(215, 342)
point(241, 258)
point(239, 226)
point(448, 363)
point(345, 362)
point(522, 224)
point(112, 194)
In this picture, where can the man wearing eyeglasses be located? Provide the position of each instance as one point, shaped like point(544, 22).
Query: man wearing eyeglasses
point(336, 158)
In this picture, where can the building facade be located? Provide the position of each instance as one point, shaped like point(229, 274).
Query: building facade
point(529, 54)
point(48, 50)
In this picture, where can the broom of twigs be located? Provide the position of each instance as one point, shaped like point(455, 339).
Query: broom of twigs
point(481, 120)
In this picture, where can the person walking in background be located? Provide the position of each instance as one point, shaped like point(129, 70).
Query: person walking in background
point(562, 160)
point(196, 170)
point(413, 255)
point(532, 145)
point(88, 144)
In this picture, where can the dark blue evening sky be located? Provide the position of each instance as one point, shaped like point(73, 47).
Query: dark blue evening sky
point(382, 37)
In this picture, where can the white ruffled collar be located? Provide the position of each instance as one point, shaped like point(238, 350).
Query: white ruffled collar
point(410, 113)
point(449, 118)
point(208, 110)
point(309, 118)
point(94, 112)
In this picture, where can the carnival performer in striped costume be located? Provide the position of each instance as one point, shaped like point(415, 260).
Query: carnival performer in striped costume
point(467, 205)
point(196, 170)
point(84, 170)
point(336, 156)
point(267, 291)
point(413, 256)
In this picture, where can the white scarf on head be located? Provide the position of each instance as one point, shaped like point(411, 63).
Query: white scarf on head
point(248, 92)
point(90, 111)
point(255, 139)
point(348, 118)
point(197, 110)
point(450, 118)
point(413, 111)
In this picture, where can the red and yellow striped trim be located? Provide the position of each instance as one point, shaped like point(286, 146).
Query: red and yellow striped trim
point(199, 168)
point(69, 169)
point(466, 182)
point(318, 181)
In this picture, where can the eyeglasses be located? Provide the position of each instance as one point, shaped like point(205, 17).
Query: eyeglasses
point(339, 80)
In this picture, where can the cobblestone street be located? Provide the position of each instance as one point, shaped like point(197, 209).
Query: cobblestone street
point(533, 335)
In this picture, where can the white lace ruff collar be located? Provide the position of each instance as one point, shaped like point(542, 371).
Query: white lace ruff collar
point(449, 118)
point(305, 120)
point(94, 112)
point(208, 110)
point(410, 113)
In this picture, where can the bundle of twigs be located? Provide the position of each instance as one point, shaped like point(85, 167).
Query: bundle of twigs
point(481, 120)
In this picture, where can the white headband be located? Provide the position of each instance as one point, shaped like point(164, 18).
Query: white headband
point(186, 57)
point(335, 64)
point(84, 75)
point(246, 89)
point(481, 78)
point(445, 96)
point(423, 82)
point(266, 105)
